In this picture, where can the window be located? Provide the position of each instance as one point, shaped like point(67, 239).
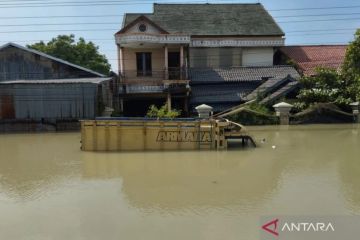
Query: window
point(143, 64)
point(142, 27)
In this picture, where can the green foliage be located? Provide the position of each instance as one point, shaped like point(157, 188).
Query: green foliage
point(255, 114)
point(82, 53)
point(351, 68)
point(323, 87)
point(351, 65)
point(329, 86)
point(162, 112)
point(260, 108)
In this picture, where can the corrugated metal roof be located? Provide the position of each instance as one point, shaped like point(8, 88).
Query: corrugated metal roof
point(50, 57)
point(59, 81)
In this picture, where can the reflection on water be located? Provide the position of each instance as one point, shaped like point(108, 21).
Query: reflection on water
point(49, 189)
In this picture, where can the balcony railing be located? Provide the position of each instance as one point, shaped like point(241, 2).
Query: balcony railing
point(153, 38)
point(133, 81)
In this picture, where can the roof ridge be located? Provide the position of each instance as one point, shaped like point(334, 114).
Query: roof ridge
point(139, 13)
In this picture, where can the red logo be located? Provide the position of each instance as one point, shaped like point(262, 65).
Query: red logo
point(271, 227)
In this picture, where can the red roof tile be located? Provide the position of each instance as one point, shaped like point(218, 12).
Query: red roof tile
point(309, 58)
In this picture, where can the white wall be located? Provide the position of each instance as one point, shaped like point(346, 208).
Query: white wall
point(258, 56)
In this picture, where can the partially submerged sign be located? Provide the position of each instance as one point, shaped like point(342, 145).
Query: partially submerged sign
point(184, 136)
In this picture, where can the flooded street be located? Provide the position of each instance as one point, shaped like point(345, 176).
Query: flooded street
point(49, 189)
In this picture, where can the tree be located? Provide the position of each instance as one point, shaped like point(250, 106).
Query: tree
point(326, 86)
point(82, 53)
point(351, 67)
point(331, 86)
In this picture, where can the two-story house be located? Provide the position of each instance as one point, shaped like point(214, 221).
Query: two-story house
point(188, 54)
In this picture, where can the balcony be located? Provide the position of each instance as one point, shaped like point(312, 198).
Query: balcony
point(130, 39)
point(174, 80)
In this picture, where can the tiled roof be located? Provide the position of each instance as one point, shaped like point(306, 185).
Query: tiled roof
point(241, 74)
point(309, 58)
point(212, 19)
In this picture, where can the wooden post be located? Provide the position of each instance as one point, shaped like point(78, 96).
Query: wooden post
point(181, 61)
point(166, 63)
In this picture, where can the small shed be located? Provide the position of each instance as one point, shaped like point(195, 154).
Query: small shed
point(36, 86)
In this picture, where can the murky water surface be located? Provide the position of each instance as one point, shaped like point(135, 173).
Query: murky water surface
point(49, 189)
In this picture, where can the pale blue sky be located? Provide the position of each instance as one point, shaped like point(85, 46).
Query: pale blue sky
point(335, 31)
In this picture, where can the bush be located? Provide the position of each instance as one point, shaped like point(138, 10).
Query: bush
point(162, 112)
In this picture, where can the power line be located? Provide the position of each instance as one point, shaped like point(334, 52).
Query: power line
point(112, 3)
point(82, 4)
point(321, 30)
point(314, 8)
point(320, 20)
point(117, 23)
point(318, 15)
point(62, 30)
point(59, 24)
point(121, 15)
point(63, 16)
point(113, 39)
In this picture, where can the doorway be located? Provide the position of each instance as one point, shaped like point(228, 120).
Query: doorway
point(174, 65)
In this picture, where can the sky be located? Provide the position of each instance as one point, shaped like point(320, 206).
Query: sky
point(303, 21)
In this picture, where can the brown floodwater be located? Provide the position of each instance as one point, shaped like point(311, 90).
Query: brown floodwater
point(49, 189)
